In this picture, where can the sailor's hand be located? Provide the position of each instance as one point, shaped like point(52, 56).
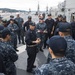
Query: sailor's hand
point(39, 39)
point(44, 31)
point(38, 31)
point(1, 39)
point(12, 29)
point(52, 32)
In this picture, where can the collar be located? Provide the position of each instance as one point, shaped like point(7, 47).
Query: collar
point(68, 37)
point(56, 60)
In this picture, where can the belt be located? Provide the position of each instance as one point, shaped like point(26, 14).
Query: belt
point(31, 45)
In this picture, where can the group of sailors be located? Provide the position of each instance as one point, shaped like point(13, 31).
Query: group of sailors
point(56, 34)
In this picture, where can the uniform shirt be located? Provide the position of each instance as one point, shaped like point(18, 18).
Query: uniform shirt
point(14, 26)
point(50, 24)
point(41, 26)
point(19, 21)
point(26, 25)
point(30, 36)
point(9, 56)
point(58, 66)
point(70, 52)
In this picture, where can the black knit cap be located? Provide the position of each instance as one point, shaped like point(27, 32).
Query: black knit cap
point(49, 14)
point(11, 16)
point(41, 19)
point(32, 23)
point(60, 15)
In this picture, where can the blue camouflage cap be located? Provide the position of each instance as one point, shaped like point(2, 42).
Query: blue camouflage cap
point(57, 43)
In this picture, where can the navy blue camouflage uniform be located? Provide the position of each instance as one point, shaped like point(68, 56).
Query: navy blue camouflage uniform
point(21, 29)
point(57, 66)
point(2, 66)
point(13, 34)
point(42, 27)
point(70, 52)
point(9, 57)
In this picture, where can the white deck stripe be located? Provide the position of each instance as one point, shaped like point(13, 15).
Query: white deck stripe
point(21, 49)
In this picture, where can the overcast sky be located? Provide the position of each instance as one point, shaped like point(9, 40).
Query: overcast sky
point(26, 4)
